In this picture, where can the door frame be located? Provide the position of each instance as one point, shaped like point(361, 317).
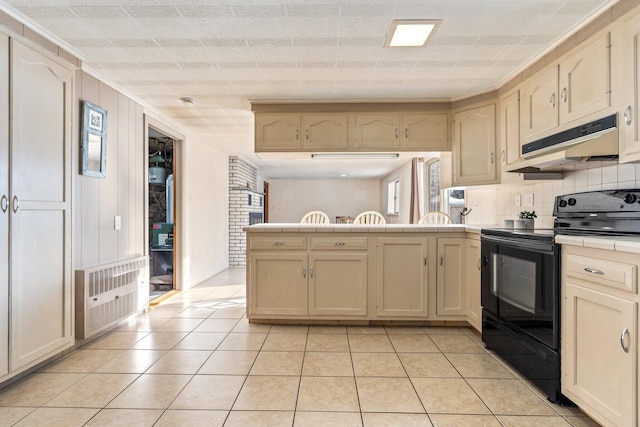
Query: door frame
point(179, 186)
point(266, 202)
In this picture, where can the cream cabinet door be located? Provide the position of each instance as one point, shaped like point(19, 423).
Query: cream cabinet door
point(40, 193)
point(474, 307)
point(630, 104)
point(423, 131)
point(278, 132)
point(474, 146)
point(377, 131)
point(279, 283)
point(338, 284)
point(402, 277)
point(585, 82)
point(510, 130)
point(597, 374)
point(325, 131)
point(450, 288)
point(4, 204)
point(540, 104)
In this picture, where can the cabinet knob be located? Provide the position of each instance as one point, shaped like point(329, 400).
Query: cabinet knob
point(425, 260)
point(406, 133)
point(625, 333)
point(441, 259)
point(306, 134)
point(297, 134)
point(16, 204)
point(304, 272)
point(4, 203)
point(491, 158)
point(552, 100)
point(503, 156)
point(311, 272)
point(563, 95)
point(628, 115)
point(397, 134)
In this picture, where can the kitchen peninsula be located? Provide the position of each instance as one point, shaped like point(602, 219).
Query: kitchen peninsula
point(363, 274)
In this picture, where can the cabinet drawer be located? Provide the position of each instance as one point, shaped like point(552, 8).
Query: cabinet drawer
point(277, 242)
point(338, 243)
point(613, 274)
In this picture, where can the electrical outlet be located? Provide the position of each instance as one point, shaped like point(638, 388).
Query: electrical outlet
point(517, 200)
point(117, 222)
point(528, 199)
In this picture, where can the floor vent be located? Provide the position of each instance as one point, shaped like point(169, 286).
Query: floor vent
point(109, 293)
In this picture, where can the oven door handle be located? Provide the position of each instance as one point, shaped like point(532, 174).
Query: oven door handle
point(516, 243)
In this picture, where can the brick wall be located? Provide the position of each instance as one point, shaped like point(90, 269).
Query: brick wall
point(241, 175)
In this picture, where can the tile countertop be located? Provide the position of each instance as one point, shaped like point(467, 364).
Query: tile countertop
point(364, 228)
point(611, 243)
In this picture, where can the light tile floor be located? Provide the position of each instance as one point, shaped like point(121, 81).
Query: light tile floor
point(195, 360)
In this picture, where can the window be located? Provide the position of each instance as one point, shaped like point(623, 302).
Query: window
point(433, 180)
point(393, 197)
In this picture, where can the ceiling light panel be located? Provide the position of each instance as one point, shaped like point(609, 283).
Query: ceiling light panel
point(410, 32)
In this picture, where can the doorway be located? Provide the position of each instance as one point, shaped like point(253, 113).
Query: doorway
point(266, 201)
point(161, 213)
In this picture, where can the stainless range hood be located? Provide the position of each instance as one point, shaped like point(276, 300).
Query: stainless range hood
point(594, 141)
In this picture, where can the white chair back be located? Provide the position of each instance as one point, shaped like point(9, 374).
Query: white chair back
point(315, 217)
point(369, 217)
point(435, 218)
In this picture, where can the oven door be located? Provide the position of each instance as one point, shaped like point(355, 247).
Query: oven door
point(520, 285)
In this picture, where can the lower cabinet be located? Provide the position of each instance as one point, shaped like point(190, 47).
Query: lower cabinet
point(338, 284)
point(279, 284)
point(402, 283)
point(450, 287)
point(474, 307)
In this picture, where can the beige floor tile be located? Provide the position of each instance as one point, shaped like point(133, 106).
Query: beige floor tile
point(229, 363)
point(581, 421)
point(370, 344)
point(448, 396)
point(116, 341)
point(327, 342)
point(327, 364)
point(337, 394)
point(387, 395)
point(532, 421)
point(243, 325)
point(456, 344)
point(125, 418)
point(509, 397)
point(229, 313)
point(394, 420)
point(10, 416)
point(377, 365)
point(278, 363)
point(178, 362)
point(366, 330)
point(216, 325)
point(209, 392)
point(179, 325)
point(132, 361)
point(93, 391)
point(143, 323)
point(427, 365)
point(201, 341)
point(159, 341)
point(243, 341)
point(81, 361)
point(327, 329)
point(478, 366)
point(443, 330)
point(195, 313)
point(285, 342)
point(38, 388)
point(404, 330)
point(327, 419)
point(268, 393)
point(58, 417)
point(151, 392)
point(192, 418)
point(289, 329)
point(446, 420)
point(259, 419)
point(413, 344)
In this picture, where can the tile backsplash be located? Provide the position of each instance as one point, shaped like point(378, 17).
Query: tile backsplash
point(587, 176)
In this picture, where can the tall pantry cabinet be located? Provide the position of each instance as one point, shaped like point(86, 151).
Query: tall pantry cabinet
point(35, 207)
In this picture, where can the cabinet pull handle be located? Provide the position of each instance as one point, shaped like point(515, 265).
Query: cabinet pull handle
point(563, 95)
point(339, 243)
point(297, 134)
point(306, 134)
point(552, 100)
point(304, 272)
point(594, 271)
point(4, 203)
point(278, 243)
point(406, 133)
point(425, 260)
point(627, 115)
point(502, 156)
point(311, 272)
point(16, 204)
point(478, 264)
point(441, 259)
point(397, 134)
point(491, 158)
point(625, 332)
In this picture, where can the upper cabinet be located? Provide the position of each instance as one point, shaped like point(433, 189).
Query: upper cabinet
point(629, 60)
point(474, 146)
point(540, 103)
point(510, 130)
point(352, 131)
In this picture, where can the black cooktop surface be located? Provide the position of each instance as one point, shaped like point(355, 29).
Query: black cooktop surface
point(543, 234)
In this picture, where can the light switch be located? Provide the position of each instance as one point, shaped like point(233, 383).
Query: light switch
point(517, 200)
point(528, 199)
point(117, 222)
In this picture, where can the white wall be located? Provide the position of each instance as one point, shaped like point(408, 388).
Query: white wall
point(289, 200)
point(404, 174)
